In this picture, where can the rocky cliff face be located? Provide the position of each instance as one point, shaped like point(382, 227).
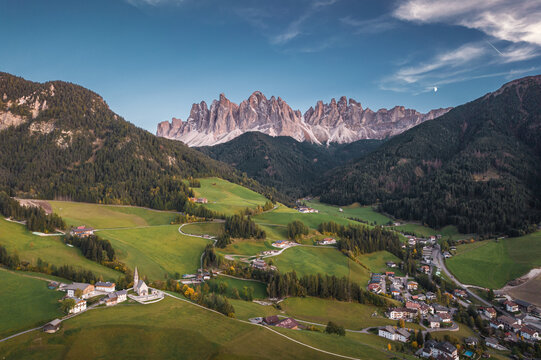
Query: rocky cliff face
point(341, 122)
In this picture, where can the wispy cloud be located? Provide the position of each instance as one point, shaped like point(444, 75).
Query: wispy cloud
point(294, 29)
point(370, 26)
point(514, 21)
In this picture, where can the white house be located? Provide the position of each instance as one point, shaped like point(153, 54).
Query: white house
point(80, 305)
point(511, 306)
point(107, 287)
point(121, 295)
point(529, 333)
point(87, 290)
point(388, 332)
point(412, 285)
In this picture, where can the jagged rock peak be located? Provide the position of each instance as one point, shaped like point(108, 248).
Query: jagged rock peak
point(339, 121)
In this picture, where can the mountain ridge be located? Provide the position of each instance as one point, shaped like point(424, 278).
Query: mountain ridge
point(342, 121)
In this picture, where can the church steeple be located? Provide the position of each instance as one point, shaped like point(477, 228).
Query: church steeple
point(135, 277)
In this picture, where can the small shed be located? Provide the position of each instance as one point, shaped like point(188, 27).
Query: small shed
point(52, 327)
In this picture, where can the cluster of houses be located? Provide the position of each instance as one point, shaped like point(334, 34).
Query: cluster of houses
point(439, 350)
point(435, 315)
point(200, 277)
point(394, 334)
point(398, 286)
point(79, 292)
point(306, 210)
point(283, 244)
point(198, 200)
point(520, 323)
point(327, 241)
point(82, 231)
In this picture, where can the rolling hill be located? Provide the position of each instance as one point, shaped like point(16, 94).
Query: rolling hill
point(476, 167)
point(282, 162)
point(60, 140)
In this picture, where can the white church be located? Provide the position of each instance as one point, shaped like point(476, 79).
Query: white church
point(139, 286)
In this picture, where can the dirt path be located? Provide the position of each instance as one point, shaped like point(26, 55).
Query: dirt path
point(521, 281)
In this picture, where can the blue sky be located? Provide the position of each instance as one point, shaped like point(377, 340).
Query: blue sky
point(151, 59)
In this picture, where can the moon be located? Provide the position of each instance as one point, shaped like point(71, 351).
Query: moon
point(435, 88)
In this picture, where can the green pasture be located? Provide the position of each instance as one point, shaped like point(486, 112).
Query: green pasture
point(109, 216)
point(209, 228)
point(227, 198)
point(376, 261)
point(25, 303)
point(260, 289)
point(366, 213)
point(16, 238)
point(156, 251)
point(492, 263)
point(307, 260)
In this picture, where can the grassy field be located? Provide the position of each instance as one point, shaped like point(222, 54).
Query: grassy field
point(247, 247)
point(260, 289)
point(25, 303)
point(210, 228)
point(352, 316)
point(312, 260)
point(174, 329)
point(29, 247)
point(284, 215)
point(366, 213)
point(157, 251)
point(227, 198)
point(376, 261)
point(449, 232)
point(109, 216)
point(493, 263)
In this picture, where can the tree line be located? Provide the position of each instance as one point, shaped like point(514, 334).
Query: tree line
point(36, 219)
point(359, 239)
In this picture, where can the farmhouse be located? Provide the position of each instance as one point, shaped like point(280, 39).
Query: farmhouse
point(288, 323)
point(82, 231)
point(327, 241)
point(389, 332)
point(402, 313)
point(445, 317)
point(259, 264)
point(490, 313)
point(460, 293)
point(436, 350)
point(530, 333)
point(86, 289)
point(433, 322)
point(306, 210)
point(111, 300)
point(374, 287)
point(412, 285)
point(198, 200)
point(511, 306)
point(391, 264)
point(107, 287)
point(139, 286)
point(52, 326)
point(271, 320)
point(80, 305)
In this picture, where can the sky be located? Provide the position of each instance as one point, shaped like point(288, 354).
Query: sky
point(151, 59)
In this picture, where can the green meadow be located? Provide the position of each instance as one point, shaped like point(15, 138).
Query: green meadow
point(157, 251)
point(492, 263)
point(175, 329)
point(307, 260)
point(25, 303)
point(284, 215)
point(209, 228)
point(227, 198)
point(259, 288)
point(356, 211)
point(30, 247)
point(376, 261)
point(109, 216)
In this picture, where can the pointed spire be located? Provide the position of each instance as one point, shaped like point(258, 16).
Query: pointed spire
point(135, 277)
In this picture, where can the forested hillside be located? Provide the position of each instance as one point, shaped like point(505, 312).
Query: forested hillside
point(282, 162)
point(60, 140)
point(476, 166)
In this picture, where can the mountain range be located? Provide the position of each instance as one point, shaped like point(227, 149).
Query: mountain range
point(342, 121)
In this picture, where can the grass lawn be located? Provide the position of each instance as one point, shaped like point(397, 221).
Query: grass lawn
point(284, 215)
point(366, 213)
point(306, 260)
point(109, 216)
point(227, 198)
point(260, 289)
point(157, 251)
point(247, 247)
point(210, 228)
point(173, 329)
point(463, 332)
point(25, 303)
point(352, 316)
point(246, 310)
point(376, 261)
point(493, 263)
point(29, 247)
